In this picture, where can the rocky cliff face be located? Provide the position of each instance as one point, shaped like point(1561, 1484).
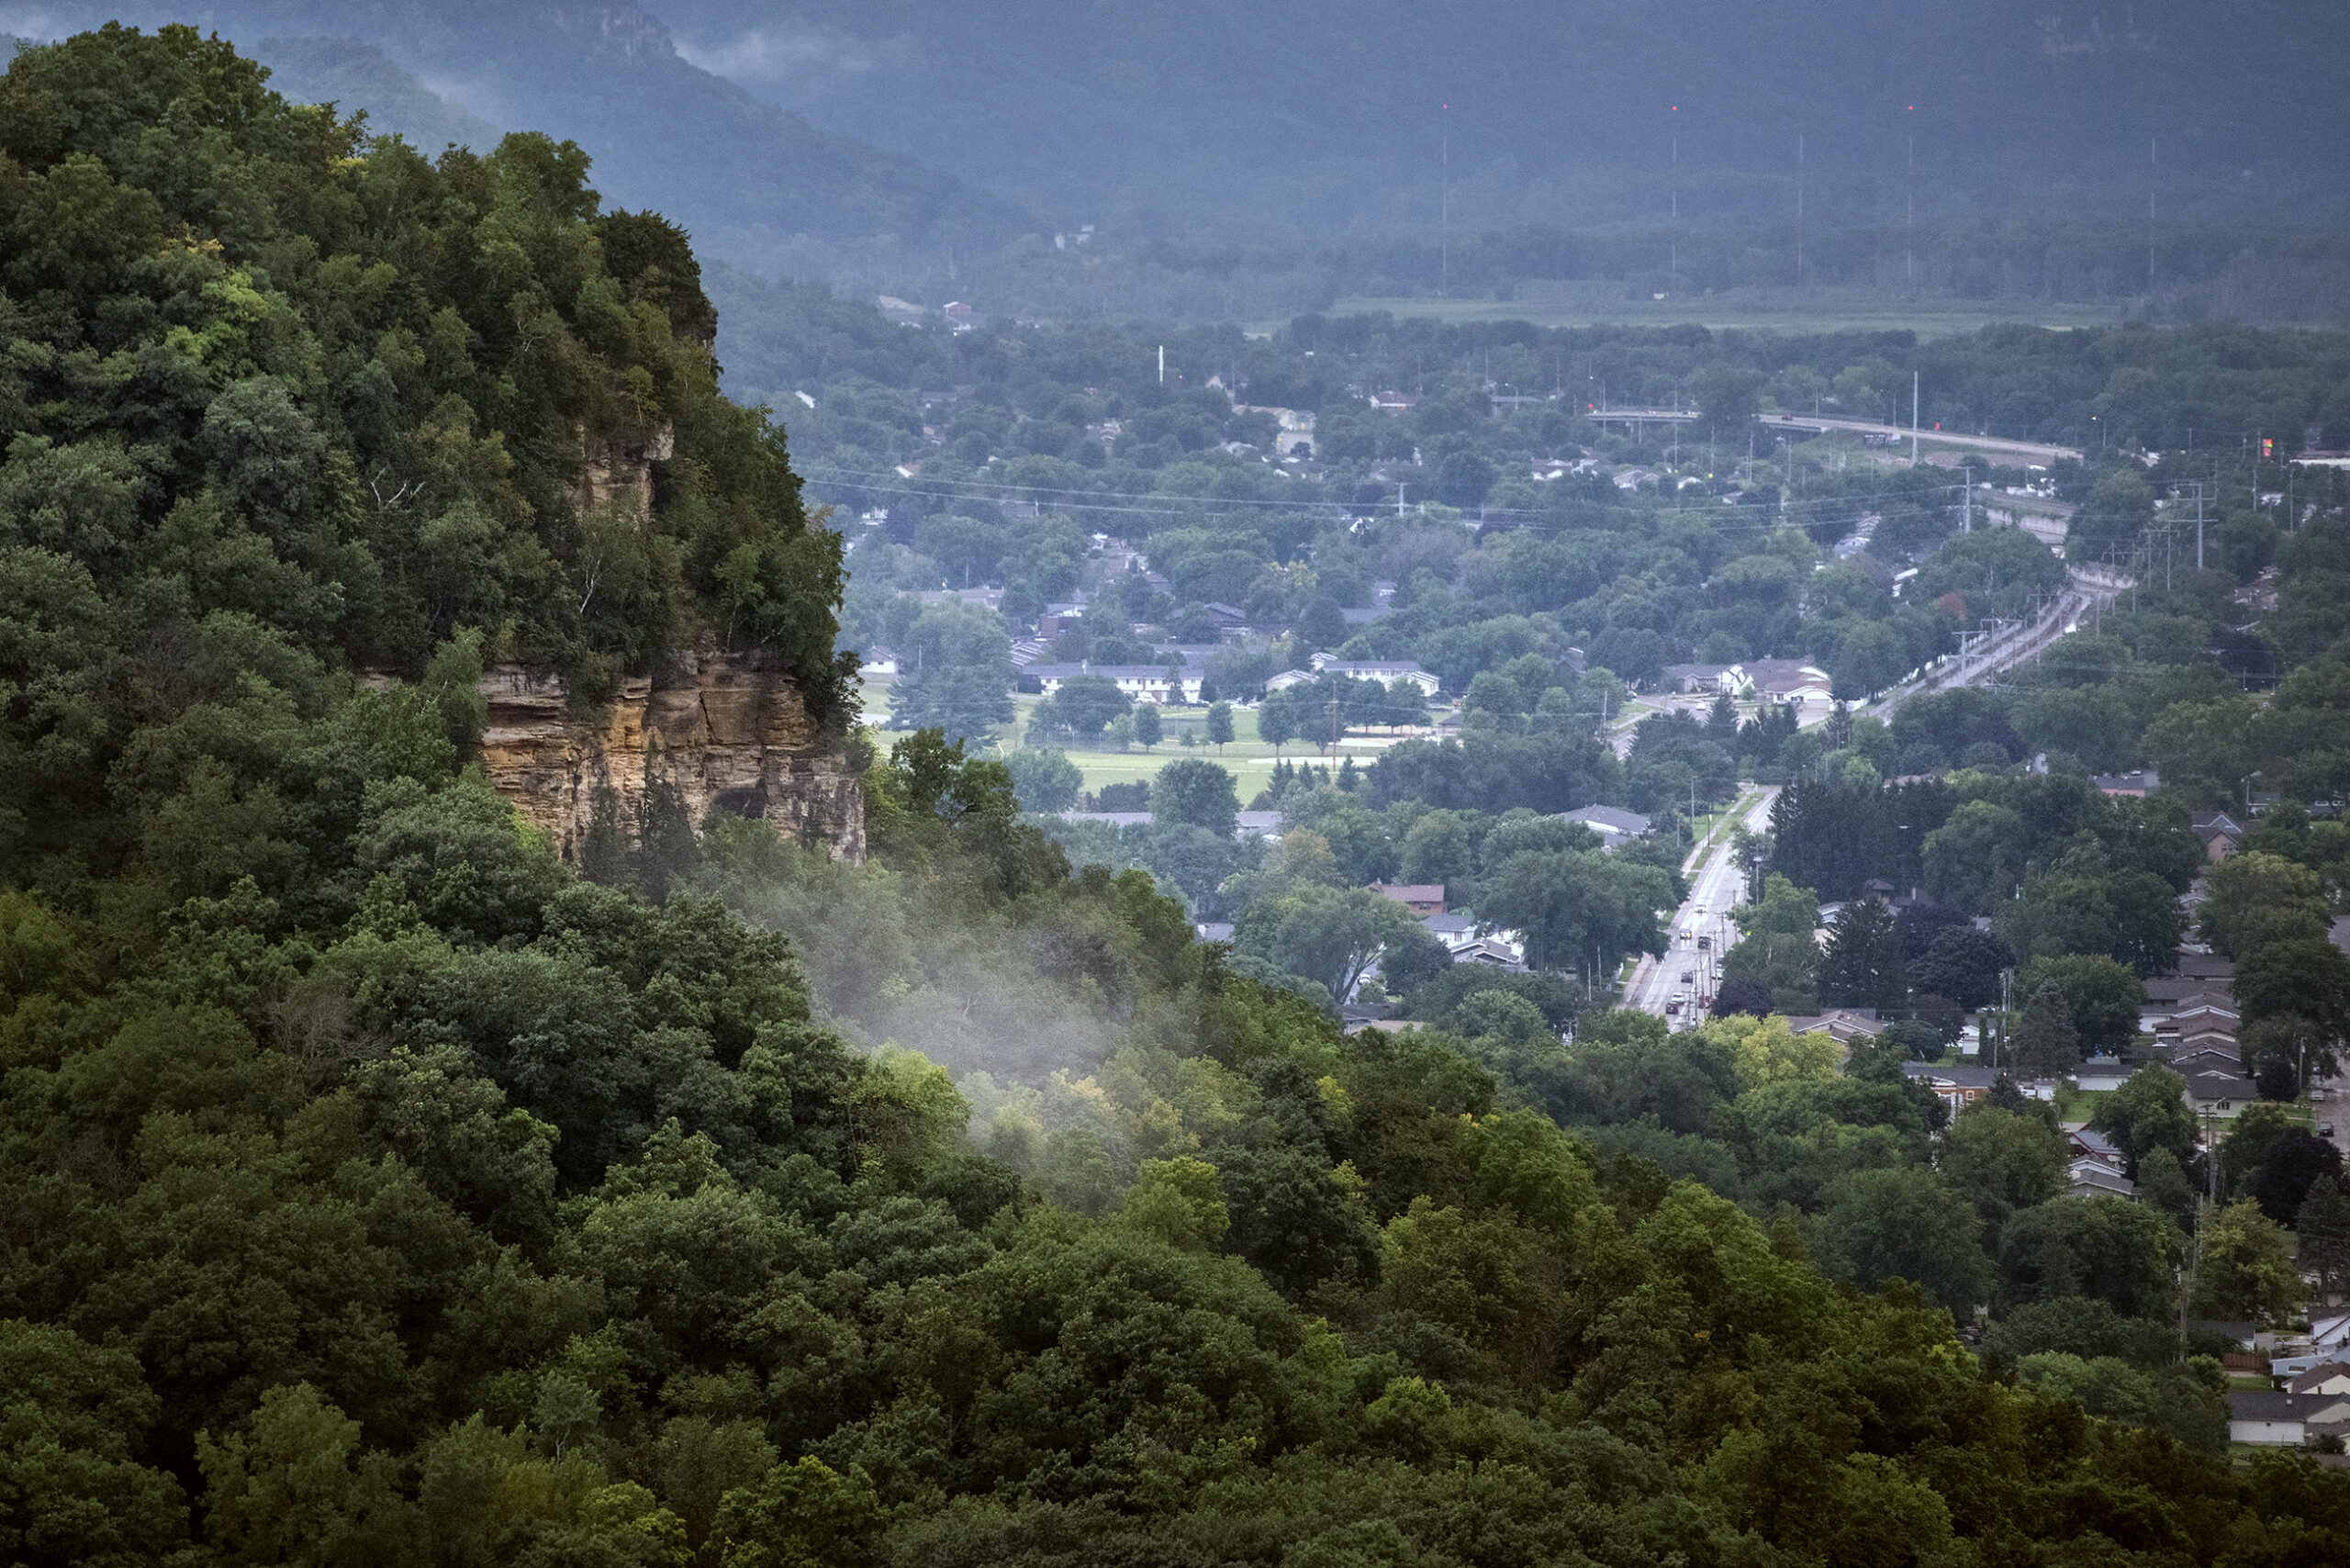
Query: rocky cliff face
point(724, 732)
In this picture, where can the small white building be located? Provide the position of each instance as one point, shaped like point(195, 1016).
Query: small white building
point(2285, 1420)
point(1385, 672)
point(1140, 683)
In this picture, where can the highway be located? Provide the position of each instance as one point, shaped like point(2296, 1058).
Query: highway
point(1717, 884)
point(2002, 446)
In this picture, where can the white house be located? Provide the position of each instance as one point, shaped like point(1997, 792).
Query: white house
point(1613, 826)
point(2284, 1419)
point(1385, 672)
point(1141, 683)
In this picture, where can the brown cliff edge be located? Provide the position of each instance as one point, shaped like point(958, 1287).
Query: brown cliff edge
point(725, 731)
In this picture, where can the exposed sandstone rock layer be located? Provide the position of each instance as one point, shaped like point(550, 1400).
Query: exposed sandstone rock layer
point(726, 732)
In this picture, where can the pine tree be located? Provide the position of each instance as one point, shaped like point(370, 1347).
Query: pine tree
point(1863, 967)
point(2046, 1043)
point(2323, 1224)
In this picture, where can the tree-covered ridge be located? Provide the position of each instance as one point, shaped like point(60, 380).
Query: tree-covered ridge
point(262, 368)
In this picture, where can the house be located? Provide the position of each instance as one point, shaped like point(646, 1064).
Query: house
point(1365, 615)
point(1457, 932)
point(1266, 826)
point(1385, 672)
point(1612, 824)
point(2095, 1178)
point(1059, 618)
point(2330, 1331)
point(2139, 784)
point(1788, 681)
point(1227, 617)
point(1700, 678)
point(1394, 402)
point(1958, 1084)
point(2192, 964)
point(1288, 679)
point(1841, 1025)
point(2285, 1419)
point(1420, 898)
point(2207, 1056)
point(2221, 835)
point(2082, 1141)
point(2326, 1377)
point(1115, 819)
point(1493, 951)
point(1212, 930)
point(2101, 1073)
point(1139, 683)
point(879, 660)
point(2224, 1094)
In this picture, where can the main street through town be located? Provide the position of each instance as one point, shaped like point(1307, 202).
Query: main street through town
point(1701, 929)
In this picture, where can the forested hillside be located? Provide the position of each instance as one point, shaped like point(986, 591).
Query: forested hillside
point(376, 1188)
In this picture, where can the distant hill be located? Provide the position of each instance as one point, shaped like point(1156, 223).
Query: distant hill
point(1326, 111)
point(748, 177)
point(358, 76)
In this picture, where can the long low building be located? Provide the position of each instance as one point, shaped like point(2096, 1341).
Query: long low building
point(2286, 1420)
point(1141, 683)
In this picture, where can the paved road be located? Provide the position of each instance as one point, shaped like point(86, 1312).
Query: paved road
point(1991, 444)
point(1717, 884)
point(1716, 879)
point(2088, 587)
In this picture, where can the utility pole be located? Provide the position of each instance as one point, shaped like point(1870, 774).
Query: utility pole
point(1966, 491)
point(1913, 418)
point(1162, 365)
point(2198, 525)
point(1444, 207)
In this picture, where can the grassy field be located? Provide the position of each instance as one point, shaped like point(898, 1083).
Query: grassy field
point(1250, 760)
point(1784, 310)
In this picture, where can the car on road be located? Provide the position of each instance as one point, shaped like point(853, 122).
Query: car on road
point(1672, 1007)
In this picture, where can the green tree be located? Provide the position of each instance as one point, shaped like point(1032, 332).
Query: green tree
point(1080, 707)
point(1219, 725)
point(1198, 793)
point(2247, 1141)
point(2253, 898)
point(1329, 934)
point(1576, 906)
point(1965, 965)
point(2102, 999)
point(1276, 720)
point(71, 1489)
point(2322, 1234)
point(1043, 780)
point(1179, 1201)
point(1903, 1222)
point(2245, 1269)
point(803, 1515)
point(2109, 1249)
point(1975, 858)
point(2110, 521)
point(2148, 1112)
point(2003, 1162)
point(1862, 965)
point(1148, 729)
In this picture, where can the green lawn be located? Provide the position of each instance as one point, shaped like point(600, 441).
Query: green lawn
point(1250, 760)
